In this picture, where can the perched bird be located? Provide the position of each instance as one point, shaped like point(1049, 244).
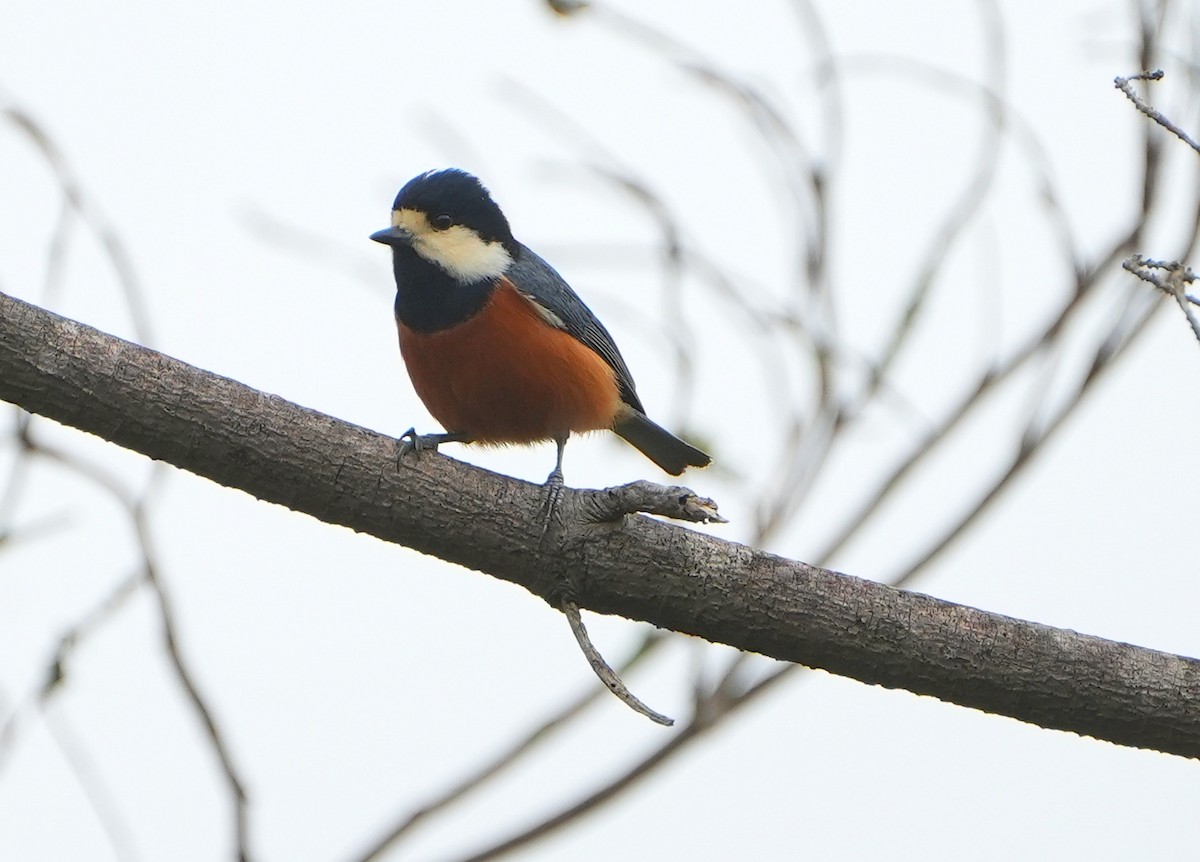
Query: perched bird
point(498, 346)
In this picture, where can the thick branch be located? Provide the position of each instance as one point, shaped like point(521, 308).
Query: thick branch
point(634, 566)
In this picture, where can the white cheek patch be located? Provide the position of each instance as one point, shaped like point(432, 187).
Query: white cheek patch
point(458, 250)
point(463, 254)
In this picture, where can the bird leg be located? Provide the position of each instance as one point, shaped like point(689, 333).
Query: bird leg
point(554, 488)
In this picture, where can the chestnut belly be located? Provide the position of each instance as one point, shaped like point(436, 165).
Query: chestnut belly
point(508, 376)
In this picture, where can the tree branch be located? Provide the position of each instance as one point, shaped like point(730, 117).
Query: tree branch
point(633, 566)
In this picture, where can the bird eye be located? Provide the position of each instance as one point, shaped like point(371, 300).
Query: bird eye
point(442, 222)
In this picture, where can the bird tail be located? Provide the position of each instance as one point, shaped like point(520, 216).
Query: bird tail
point(658, 444)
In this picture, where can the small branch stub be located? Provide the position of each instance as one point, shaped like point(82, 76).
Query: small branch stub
point(669, 501)
point(607, 675)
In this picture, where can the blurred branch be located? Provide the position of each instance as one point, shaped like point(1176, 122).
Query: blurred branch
point(77, 207)
point(605, 792)
point(729, 698)
point(693, 731)
point(804, 176)
point(511, 755)
point(149, 575)
point(75, 199)
point(676, 329)
point(299, 242)
point(91, 780)
point(809, 439)
point(967, 204)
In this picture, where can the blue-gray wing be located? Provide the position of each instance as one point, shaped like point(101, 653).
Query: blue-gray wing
point(562, 307)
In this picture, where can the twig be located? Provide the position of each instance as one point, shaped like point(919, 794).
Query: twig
point(607, 675)
point(1123, 84)
point(1178, 275)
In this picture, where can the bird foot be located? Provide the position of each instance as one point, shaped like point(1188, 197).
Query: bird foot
point(411, 441)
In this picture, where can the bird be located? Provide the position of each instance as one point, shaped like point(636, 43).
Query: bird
point(497, 345)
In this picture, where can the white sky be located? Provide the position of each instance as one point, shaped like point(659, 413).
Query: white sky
point(355, 679)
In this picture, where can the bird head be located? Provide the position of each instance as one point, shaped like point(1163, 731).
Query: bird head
point(448, 218)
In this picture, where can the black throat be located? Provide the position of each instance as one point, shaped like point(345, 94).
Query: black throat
point(428, 299)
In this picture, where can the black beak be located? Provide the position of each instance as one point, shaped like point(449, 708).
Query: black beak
point(392, 236)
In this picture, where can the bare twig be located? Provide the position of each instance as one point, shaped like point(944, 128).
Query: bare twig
point(1178, 275)
point(602, 669)
point(1125, 85)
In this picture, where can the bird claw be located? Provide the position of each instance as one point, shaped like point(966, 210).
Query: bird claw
point(411, 441)
point(407, 442)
